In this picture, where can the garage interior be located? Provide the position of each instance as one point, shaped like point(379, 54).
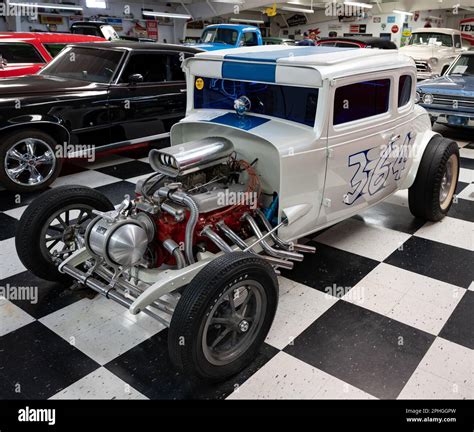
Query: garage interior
point(382, 310)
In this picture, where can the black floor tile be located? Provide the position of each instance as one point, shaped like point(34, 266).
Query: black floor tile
point(136, 153)
point(331, 269)
point(115, 191)
point(362, 348)
point(51, 296)
point(70, 167)
point(40, 362)
point(462, 209)
point(148, 369)
point(10, 200)
point(460, 326)
point(391, 216)
point(127, 170)
point(8, 226)
point(467, 163)
point(436, 260)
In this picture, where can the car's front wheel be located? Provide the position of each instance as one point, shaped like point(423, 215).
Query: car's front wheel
point(28, 161)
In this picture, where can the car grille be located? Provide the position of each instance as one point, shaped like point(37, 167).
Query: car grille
point(422, 66)
point(463, 102)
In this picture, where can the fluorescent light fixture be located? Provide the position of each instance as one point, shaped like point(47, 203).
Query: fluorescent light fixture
point(229, 1)
point(361, 5)
point(402, 12)
point(166, 15)
point(48, 6)
point(251, 21)
point(294, 9)
point(96, 4)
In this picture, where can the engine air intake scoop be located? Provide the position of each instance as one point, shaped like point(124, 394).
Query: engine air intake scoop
point(182, 159)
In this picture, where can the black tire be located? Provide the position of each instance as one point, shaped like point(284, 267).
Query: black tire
point(49, 171)
point(29, 235)
point(199, 303)
point(424, 195)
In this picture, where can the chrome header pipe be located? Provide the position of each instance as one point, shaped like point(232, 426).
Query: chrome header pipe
point(216, 239)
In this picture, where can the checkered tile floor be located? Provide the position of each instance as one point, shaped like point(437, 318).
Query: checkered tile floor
point(384, 309)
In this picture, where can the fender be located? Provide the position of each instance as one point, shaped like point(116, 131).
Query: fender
point(37, 119)
point(419, 146)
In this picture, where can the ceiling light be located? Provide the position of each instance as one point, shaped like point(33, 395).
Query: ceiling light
point(294, 9)
point(402, 12)
point(362, 5)
point(166, 15)
point(229, 1)
point(251, 21)
point(58, 6)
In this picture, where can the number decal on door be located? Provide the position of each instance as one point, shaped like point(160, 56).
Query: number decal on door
point(376, 167)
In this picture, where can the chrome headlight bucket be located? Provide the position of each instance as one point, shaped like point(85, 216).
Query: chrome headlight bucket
point(428, 99)
point(433, 61)
point(417, 97)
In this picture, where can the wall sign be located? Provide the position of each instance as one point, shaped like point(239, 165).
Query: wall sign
point(467, 29)
point(296, 20)
point(152, 29)
point(51, 19)
point(391, 19)
point(354, 28)
point(395, 29)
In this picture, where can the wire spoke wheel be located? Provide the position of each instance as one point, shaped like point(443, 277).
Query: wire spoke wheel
point(64, 230)
point(30, 162)
point(234, 322)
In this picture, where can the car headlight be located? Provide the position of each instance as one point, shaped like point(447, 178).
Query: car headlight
point(417, 97)
point(428, 99)
point(433, 61)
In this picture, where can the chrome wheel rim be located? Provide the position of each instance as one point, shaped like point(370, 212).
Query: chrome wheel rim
point(448, 182)
point(30, 162)
point(234, 322)
point(63, 232)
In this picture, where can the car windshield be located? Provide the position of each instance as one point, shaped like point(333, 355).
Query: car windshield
point(220, 35)
point(296, 104)
point(85, 64)
point(463, 66)
point(431, 39)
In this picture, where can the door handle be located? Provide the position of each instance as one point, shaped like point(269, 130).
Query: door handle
point(182, 90)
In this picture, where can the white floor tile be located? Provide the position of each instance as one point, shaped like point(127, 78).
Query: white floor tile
point(11, 264)
point(134, 180)
point(466, 153)
point(334, 388)
point(424, 385)
point(145, 159)
point(298, 308)
point(16, 212)
point(408, 297)
point(92, 179)
point(450, 361)
point(12, 317)
point(363, 239)
point(467, 193)
point(451, 231)
point(100, 384)
point(466, 175)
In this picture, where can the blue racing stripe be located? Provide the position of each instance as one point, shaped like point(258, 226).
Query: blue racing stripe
point(249, 71)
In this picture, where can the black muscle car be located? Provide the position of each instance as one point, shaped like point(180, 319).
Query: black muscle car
point(90, 98)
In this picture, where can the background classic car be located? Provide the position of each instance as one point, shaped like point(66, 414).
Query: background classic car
point(357, 42)
point(433, 50)
point(450, 99)
point(26, 53)
point(100, 96)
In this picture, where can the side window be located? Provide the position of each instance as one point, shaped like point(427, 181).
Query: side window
point(175, 72)
point(151, 66)
point(250, 39)
point(361, 100)
point(20, 53)
point(346, 45)
point(457, 41)
point(54, 48)
point(404, 90)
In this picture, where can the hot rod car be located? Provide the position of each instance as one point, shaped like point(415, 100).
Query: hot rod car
point(277, 143)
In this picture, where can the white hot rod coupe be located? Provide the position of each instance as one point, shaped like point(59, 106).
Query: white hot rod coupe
point(278, 142)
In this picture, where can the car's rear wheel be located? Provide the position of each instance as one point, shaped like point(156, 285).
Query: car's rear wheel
point(28, 161)
point(431, 195)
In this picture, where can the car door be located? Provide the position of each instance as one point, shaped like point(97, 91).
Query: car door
point(369, 142)
point(146, 110)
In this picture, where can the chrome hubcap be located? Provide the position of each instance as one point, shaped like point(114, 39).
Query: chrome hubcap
point(448, 182)
point(30, 162)
point(234, 322)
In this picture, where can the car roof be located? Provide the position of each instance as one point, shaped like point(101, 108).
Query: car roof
point(436, 30)
point(295, 65)
point(47, 37)
point(368, 40)
point(239, 27)
point(132, 45)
